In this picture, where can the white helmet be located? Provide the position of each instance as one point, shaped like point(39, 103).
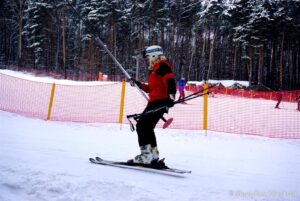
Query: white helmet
point(153, 51)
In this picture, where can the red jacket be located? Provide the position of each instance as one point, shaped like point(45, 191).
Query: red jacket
point(161, 82)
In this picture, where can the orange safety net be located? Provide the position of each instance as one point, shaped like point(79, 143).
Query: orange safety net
point(24, 97)
point(253, 112)
point(230, 111)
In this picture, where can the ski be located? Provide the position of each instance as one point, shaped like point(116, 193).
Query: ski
point(158, 167)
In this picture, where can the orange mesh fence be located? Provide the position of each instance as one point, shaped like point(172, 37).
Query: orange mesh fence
point(289, 96)
point(235, 114)
point(86, 103)
point(231, 111)
point(253, 112)
point(24, 97)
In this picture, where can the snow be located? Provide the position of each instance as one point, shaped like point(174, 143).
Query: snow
point(47, 160)
point(35, 44)
point(42, 160)
point(31, 77)
point(34, 26)
point(225, 83)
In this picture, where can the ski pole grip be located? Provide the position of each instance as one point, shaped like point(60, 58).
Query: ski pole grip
point(167, 122)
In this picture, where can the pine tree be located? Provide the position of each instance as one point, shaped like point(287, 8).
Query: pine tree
point(239, 17)
point(222, 39)
point(8, 26)
point(185, 16)
point(33, 30)
point(18, 7)
point(211, 17)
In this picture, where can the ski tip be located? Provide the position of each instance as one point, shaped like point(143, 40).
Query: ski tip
point(182, 171)
point(99, 159)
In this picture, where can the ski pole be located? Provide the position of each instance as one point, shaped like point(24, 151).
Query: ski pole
point(166, 108)
point(137, 116)
point(199, 91)
point(190, 98)
point(99, 42)
point(166, 124)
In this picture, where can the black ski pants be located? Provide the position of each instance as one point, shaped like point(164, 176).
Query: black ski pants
point(147, 122)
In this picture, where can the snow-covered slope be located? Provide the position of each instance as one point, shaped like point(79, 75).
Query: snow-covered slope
point(32, 77)
point(42, 160)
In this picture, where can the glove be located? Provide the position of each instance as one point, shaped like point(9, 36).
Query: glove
point(134, 82)
point(171, 100)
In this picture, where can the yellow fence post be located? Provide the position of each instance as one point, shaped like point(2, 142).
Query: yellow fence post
point(205, 107)
point(122, 102)
point(51, 101)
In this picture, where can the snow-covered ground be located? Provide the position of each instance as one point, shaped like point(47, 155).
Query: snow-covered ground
point(45, 160)
point(32, 77)
point(225, 83)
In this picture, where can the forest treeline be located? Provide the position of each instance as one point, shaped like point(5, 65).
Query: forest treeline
point(256, 41)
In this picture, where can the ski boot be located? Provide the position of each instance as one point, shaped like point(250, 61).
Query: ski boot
point(156, 162)
point(155, 154)
point(145, 157)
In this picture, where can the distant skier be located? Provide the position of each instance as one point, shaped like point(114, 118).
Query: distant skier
point(162, 89)
point(298, 100)
point(181, 88)
point(279, 98)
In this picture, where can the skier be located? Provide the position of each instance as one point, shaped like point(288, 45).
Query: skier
point(162, 89)
point(181, 86)
point(298, 100)
point(279, 98)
